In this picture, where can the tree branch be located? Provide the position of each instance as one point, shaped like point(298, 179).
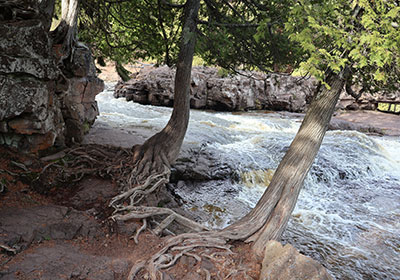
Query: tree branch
point(242, 25)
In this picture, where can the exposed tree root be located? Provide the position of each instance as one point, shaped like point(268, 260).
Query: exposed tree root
point(175, 248)
point(142, 228)
point(137, 193)
point(142, 212)
point(8, 248)
point(138, 173)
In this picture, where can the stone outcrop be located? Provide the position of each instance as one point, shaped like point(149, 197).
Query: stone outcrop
point(43, 101)
point(286, 263)
point(210, 90)
point(253, 90)
point(21, 227)
point(79, 108)
point(367, 101)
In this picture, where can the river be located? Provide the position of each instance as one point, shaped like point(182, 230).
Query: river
point(348, 213)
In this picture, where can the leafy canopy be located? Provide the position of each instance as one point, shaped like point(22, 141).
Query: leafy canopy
point(363, 35)
point(127, 30)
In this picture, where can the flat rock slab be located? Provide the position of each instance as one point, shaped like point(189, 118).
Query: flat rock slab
point(389, 124)
point(20, 227)
point(92, 192)
point(64, 260)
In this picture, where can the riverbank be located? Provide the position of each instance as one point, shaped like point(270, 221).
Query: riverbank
point(63, 231)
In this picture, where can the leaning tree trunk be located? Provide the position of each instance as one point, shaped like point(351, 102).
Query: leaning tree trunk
point(152, 160)
point(270, 216)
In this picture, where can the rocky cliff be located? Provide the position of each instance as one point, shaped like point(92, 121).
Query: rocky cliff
point(43, 101)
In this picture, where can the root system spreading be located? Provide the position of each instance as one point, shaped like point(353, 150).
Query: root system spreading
point(125, 168)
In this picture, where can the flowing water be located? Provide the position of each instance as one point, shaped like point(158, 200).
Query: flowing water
point(348, 213)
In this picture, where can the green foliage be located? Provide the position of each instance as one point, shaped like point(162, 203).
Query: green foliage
point(246, 35)
point(223, 73)
point(234, 34)
point(124, 31)
point(361, 35)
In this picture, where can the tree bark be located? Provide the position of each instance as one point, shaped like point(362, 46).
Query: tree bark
point(169, 141)
point(123, 73)
point(270, 216)
point(65, 32)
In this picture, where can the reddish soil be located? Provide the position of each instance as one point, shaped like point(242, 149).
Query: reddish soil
point(104, 252)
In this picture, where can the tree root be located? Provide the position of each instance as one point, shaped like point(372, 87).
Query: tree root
point(175, 248)
point(142, 228)
point(137, 193)
point(142, 212)
point(8, 249)
point(140, 173)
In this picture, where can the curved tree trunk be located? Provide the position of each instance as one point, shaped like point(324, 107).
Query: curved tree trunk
point(151, 162)
point(270, 216)
point(168, 142)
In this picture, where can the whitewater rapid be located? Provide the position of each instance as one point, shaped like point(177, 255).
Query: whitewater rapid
point(348, 212)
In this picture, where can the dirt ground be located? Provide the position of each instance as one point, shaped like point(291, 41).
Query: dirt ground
point(109, 74)
point(62, 231)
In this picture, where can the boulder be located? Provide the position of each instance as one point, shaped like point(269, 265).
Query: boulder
point(286, 263)
point(367, 101)
point(210, 90)
point(79, 106)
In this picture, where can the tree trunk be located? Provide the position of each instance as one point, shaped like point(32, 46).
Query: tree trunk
point(65, 32)
point(123, 73)
point(169, 141)
point(270, 216)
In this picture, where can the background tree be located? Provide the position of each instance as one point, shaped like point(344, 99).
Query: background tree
point(362, 35)
point(229, 33)
point(245, 34)
point(124, 31)
point(66, 30)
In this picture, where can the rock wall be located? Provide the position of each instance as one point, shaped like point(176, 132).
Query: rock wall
point(210, 90)
point(43, 101)
point(367, 101)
